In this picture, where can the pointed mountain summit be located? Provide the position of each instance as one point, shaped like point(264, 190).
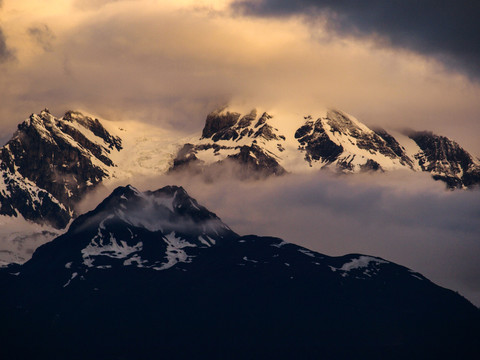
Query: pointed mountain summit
point(155, 230)
point(155, 272)
point(49, 165)
point(230, 138)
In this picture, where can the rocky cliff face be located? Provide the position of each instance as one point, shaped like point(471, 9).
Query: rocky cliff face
point(446, 160)
point(340, 139)
point(315, 142)
point(230, 138)
point(50, 163)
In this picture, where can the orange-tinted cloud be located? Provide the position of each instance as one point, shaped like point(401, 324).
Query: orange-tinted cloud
point(172, 63)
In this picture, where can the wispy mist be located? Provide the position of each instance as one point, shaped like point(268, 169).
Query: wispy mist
point(405, 218)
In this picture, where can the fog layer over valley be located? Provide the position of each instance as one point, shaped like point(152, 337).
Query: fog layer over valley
point(403, 217)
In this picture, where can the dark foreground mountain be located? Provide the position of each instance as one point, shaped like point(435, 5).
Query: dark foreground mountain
point(156, 275)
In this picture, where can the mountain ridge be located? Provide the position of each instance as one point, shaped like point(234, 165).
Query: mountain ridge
point(330, 140)
point(51, 163)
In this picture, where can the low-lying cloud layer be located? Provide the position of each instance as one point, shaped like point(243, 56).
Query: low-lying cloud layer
point(401, 217)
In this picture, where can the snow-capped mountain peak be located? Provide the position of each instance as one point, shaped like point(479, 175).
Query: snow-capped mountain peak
point(50, 163)
point(340, 140)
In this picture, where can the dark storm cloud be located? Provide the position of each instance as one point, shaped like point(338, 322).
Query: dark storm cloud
point(43, 36)
point(158, 63)
point(5, 52)
point(447, 30)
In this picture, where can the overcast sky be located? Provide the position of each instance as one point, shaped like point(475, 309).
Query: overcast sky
point(394, 64)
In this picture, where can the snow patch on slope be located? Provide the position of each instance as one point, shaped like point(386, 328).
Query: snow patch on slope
point(147, 150)
point(175, 253)
point(363, 266)
point(109, 247)
point(361, 262)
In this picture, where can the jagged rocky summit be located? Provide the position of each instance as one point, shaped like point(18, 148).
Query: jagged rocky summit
point(263, 144)
point(49, 165)
point(149, 273)
point(446, 160)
